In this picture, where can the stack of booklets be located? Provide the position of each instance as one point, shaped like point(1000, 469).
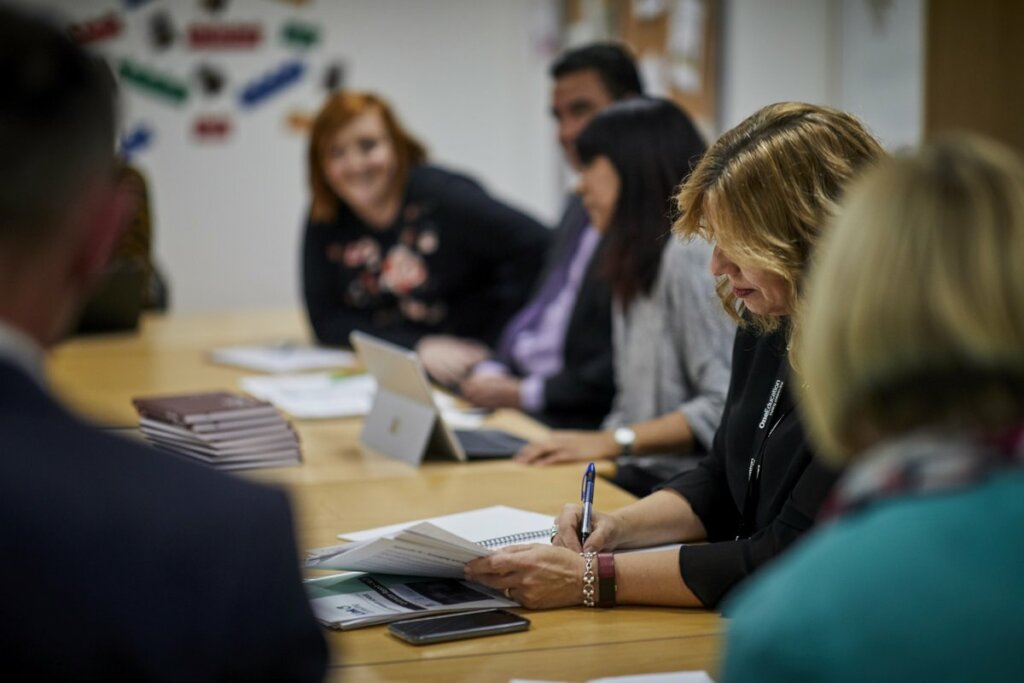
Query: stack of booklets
point(226, 430)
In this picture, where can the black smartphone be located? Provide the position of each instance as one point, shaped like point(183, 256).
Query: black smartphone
point(457, 626)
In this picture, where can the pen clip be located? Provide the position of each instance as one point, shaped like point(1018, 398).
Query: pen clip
point(588, 481)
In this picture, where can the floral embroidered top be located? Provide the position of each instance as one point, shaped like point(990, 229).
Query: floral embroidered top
point(456, 261)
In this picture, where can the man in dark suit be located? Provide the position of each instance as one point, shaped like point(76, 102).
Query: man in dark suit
point(555, 356)
point(118, 562)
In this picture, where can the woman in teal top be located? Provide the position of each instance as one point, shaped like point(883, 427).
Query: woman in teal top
point(912, 354)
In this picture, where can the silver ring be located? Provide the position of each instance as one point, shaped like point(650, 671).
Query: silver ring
point(554, 532)
point(508, 594)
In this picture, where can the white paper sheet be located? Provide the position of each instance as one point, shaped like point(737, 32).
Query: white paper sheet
point(325, 395)
point(315, 395)
point(283, 357)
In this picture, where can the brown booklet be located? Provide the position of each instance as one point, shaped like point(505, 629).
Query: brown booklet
point(214, 406)
point(222, 429)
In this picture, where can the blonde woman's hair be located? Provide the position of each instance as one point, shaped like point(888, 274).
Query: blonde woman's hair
point(914, 317)
point(766, 188)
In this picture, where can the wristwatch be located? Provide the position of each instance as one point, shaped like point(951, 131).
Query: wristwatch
point(624, 436)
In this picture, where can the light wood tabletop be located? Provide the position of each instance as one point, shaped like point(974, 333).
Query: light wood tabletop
point(343, 486)
point(558, 636)
point(634, 651)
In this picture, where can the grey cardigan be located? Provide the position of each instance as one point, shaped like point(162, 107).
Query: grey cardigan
point(672, 347)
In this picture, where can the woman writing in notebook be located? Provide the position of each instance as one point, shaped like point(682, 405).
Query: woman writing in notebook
point(404, 250)
point(912, 373)
point(762, 195)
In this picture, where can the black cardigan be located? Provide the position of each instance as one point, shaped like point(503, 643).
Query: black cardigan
point(793, 483)
point(456, 261)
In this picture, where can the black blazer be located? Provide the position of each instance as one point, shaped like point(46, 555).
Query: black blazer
point(580, 396)
point(120, 562)
point(793, 483)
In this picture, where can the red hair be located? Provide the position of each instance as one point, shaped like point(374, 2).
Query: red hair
point(338, 111)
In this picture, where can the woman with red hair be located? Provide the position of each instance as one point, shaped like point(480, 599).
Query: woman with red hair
point(404, 250)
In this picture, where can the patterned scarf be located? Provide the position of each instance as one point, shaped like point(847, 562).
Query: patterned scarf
point(921, 464)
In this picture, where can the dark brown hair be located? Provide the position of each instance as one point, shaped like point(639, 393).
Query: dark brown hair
point(652, 144)
point(57, 125)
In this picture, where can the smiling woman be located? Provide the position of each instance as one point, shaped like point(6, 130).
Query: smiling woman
point(403, 250)
point(361, 167)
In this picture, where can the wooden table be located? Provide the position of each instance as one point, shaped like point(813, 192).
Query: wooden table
point(566, 644)
point(342, 486)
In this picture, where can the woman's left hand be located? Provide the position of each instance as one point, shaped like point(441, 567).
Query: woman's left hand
point(568, 445)
point(536, 576)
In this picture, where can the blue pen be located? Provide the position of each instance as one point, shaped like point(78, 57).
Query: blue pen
point(587, 496)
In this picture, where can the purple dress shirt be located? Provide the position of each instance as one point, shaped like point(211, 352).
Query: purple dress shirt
point(535, 337)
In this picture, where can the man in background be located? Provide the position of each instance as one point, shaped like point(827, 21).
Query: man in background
point(119, 562)
point(554, 359)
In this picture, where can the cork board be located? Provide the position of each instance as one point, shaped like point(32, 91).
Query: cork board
point(675, 41)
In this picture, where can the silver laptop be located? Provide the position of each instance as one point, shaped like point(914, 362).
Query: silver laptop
point(406, 423)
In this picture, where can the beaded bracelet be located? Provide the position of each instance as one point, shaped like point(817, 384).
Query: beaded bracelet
point(589, 591)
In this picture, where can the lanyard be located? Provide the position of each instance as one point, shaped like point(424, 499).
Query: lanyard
point(766, 427)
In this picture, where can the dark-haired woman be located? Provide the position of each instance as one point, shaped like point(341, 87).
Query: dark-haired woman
point(671, 339)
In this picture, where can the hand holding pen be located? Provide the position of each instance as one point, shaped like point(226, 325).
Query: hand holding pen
point(587, 499)
point(600, 531)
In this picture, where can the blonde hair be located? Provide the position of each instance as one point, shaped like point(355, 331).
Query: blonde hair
point(337, 112)
point(770, 184)
point(915, 313)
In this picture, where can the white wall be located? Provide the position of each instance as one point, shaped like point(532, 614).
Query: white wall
point(865, 56)
point(773, 50)
point(882, 67)
point(467, 76)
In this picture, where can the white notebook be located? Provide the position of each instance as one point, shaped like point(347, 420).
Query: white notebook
point(283, 357)
point(430, 547)
point(484, 524)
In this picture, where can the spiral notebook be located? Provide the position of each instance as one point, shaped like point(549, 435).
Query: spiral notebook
point(487, 526)
point(535, 536)
point(437, 547)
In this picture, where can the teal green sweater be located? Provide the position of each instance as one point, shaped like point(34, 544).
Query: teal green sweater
point(929, 588)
